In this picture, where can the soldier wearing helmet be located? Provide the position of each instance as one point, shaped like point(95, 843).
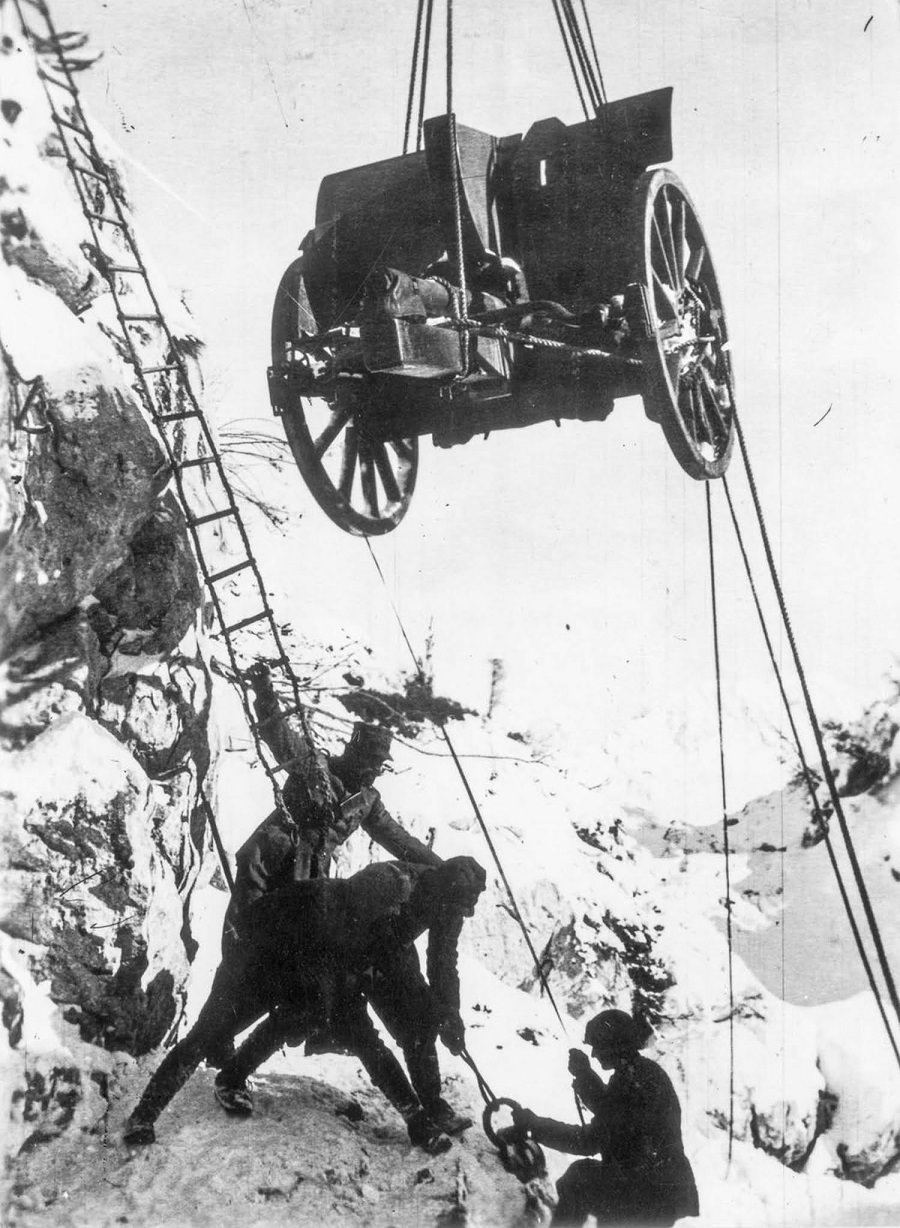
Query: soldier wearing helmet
point(644, 1177)
point(311, 955)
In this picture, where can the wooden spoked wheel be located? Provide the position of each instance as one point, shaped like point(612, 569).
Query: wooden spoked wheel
point(687, 367)
point(363, 483)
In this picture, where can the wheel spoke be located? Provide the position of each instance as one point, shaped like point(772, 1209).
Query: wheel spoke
point(709, 388)
point(337, 422)
point(664, 252)
point(348, 463)
point(405, 451)
point(688, 410)
point(669, 237)
point(385, 472)
point(695, 263)
point(679, 233)
point(668, 295)
point(367, 480)
point(703, 419)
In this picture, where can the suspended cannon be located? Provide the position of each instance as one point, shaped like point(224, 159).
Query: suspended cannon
point(483, 283)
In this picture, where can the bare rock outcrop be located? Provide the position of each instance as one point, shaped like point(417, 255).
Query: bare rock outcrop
point(103, 726)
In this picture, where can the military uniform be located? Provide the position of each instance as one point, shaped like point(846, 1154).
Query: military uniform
point(318, 948)
point(644, 1177)
point(284, 850)
point(415, 1011)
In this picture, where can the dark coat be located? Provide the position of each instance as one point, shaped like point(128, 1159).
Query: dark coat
point(645, 1176)
point(317, 923)
point(284, 850)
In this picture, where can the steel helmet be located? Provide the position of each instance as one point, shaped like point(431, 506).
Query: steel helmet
point(617, 1031)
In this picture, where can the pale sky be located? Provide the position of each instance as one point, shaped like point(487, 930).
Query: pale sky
point(576, 554)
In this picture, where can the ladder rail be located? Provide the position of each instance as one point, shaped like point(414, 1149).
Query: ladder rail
point(174, 369)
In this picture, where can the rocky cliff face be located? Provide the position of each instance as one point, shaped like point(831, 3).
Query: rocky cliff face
point(105, 731)
point(106, 696)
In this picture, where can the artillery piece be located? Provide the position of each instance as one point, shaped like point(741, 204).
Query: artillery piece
point(483, 283)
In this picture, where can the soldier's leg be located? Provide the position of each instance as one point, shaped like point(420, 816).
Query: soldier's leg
point(401, 997)
point(282, 1026)
point(358, 1033)
point(225, 1013)
point(580, 1192)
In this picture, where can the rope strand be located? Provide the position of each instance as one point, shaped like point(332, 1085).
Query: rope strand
point(816, 729)
point(414, 68)
point(808, 780)
point(725, 840)
point(471, 796)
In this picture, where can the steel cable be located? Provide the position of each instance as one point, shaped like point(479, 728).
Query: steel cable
point(808, 780)
point(725, 840)
point(816, 729)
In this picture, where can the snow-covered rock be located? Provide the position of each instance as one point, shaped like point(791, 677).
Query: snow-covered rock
point(106, 698)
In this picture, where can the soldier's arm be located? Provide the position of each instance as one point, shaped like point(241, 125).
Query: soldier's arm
point(442, 957)
point(288, 738)
point(575, 1140)
point(260, 861)
point(591, 1089)
point(387, 832)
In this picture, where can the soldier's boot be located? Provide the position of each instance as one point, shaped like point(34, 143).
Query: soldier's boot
point(235, 1098)
point(425, 1073)
point(138, 1133)
point(446, 1118)
point(424, 1133)
point(173, 1072)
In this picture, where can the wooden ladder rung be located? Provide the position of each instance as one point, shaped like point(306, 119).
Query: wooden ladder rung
point(51, 80)
point(245, 622)
point(211, 516)
point(215, 576)
point(179, 416)
point(67, 123)
point(102, 217)
point(195, 462)
point(91, 174)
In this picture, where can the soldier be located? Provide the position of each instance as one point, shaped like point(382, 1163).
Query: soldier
point(415, 1011)
point(644, 1177)
point(308, 955)
point(290, 847)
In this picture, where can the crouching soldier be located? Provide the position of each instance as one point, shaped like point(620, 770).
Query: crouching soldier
point(644, 1178)
point(308, 956)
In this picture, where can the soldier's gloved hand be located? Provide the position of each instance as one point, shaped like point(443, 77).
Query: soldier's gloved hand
point(452, 1032)
point(579, 1063)
point(523, 1119)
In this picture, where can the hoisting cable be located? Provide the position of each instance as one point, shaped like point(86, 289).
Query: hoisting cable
point(725, 840)
point(426, 55)
point(810, 784)
point(412, 76)
point(471, 796)
point(587, 69)
point(587, 23)
point(569, 57)
point(462, 310)
point(814, 723)
point(483, 1086)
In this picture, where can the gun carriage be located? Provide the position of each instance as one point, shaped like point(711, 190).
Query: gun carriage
point(484, 283)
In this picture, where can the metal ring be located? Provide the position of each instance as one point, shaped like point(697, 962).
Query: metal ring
point(490, 1109)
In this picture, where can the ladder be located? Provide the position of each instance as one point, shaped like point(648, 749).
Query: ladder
point(245, 623)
